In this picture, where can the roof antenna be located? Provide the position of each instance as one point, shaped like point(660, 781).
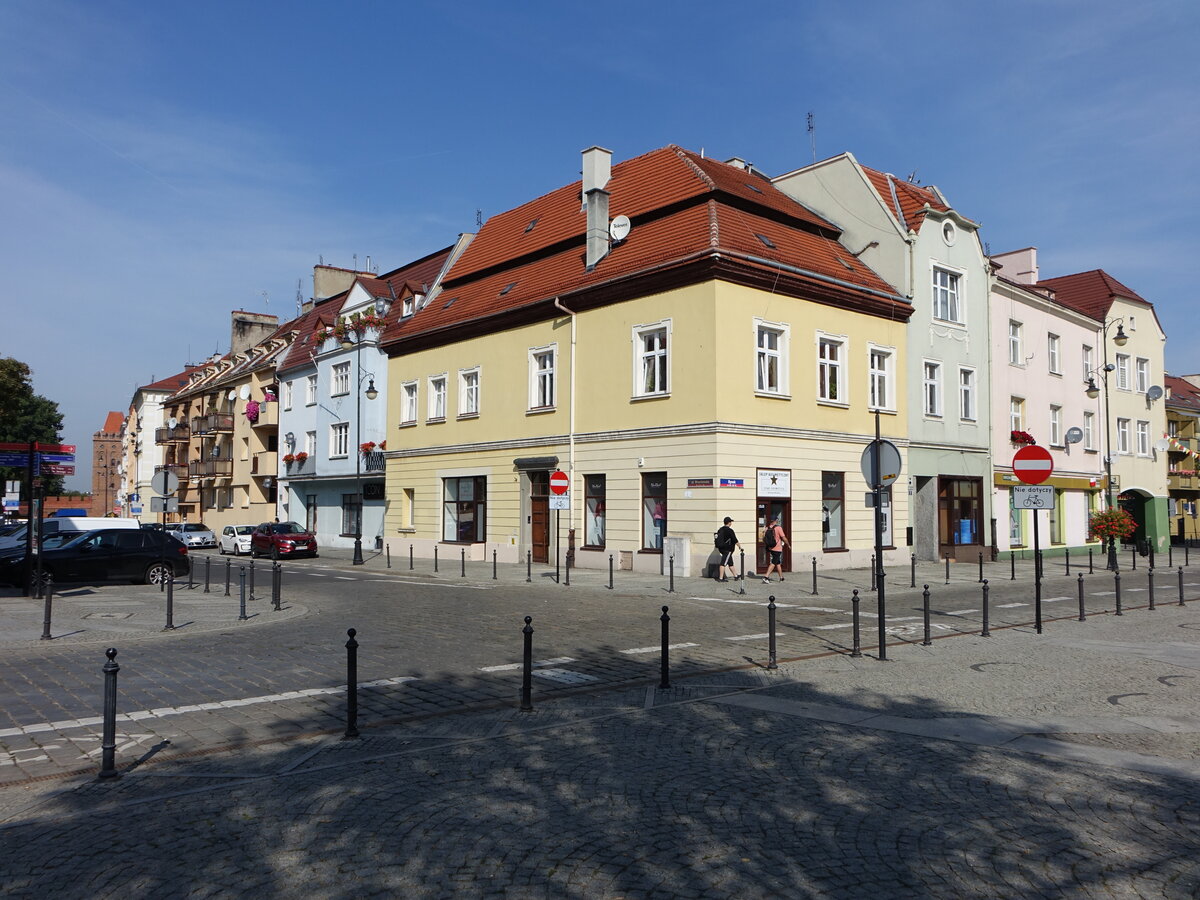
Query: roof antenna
point(299, 299)
point(478, 218)
point(354, 268)
point(812, 133)
point(912, 177)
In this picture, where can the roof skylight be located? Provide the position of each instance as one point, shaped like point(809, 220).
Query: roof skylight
point(446, 305)
point(752, 187)
point(767, 242)
point(508, 287)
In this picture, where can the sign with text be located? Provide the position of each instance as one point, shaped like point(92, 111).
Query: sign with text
point(560, 501)
point(774, 483)
point(1032, 496)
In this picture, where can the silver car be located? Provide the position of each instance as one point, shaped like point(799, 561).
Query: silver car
point(235, 539)
point(192, 534)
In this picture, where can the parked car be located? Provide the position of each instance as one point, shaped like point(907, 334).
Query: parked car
point(73, 524)
point(279, 539)
point(104, 554)
point(235, 539)
point(194, 534)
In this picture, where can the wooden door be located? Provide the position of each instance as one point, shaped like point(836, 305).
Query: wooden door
point(539, 516)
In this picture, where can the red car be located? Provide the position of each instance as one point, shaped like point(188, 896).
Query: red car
point(282, 539)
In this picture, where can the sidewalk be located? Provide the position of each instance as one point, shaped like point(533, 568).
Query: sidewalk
point(1062, 764)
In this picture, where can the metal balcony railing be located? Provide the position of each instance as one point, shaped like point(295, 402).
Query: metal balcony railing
point(212, 423)
point(211, 468)
point(170, 435)
point(373, 461)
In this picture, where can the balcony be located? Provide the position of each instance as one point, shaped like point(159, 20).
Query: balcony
point(213, 423)
point(373, 461)
point(300, 469)
point(268, 416)
point(211, 468)
point(265, 462)
point(179, 433)
point(179, 469)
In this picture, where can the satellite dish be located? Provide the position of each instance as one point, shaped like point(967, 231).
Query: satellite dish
point(1154, 392)
point(618, 228)
point(232, 394)
point(1074, 435)
point(1162, 446)
point(244, 393)
point(172, 422)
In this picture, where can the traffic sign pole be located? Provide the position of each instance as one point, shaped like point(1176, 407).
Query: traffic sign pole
point(1033, 465)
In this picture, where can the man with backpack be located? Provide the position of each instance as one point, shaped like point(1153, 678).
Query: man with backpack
point(774, 541)
point(726, 541)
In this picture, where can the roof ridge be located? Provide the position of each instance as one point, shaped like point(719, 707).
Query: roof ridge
point(691, 163)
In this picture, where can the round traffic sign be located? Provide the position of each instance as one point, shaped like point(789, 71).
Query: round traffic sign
point(165, 482)
point(1033, 464)
point(888, 462)
point(560, 482)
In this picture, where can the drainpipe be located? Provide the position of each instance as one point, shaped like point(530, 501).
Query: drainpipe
point(571, 419)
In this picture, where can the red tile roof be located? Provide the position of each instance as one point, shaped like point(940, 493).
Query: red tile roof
point(1091, 293)
point(301, 350)
point(172, 384)
point(113, 422)
point(913, 198)
point(1184, 394)
point(683, 208)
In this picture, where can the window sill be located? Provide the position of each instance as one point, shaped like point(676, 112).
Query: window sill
point(650, 551)
point(772, 395)
point(435, 420)
point(592, 547)
point(470, 415)
point(835, 550)
point(540, 410)
point(406, 531)
point(641, 398)
point(836, 403)
point(340, 456)
point(412, 424)
point(883, 411)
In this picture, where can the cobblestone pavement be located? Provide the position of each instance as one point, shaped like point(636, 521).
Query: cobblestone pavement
point(1020, 765)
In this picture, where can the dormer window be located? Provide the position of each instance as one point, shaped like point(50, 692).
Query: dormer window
point(409, 304)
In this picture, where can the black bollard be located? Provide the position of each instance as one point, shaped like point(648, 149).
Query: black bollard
point(528, 566)
point(190, 563)
point(387, 554)
point(1150, 586)
point(856, 650)
point(494, 575)
point(1133, 555)
point(987, 631)
point(610, 571)
point(742, 576)
point(1151, 555)
point(567, 579)
point(276, 585)
point(1117, 590)
point(1090, 569)
point(1082, 611)
point(252, 579)
point(872, 572)
point(771, 663)
point(227, 570)
point(435, 558)
point(46, 610)
point(925, 604)
point(912, 575)
point(1012, 564)
point(1185, 553)
point(463, 553)
point(351, 685)
point(242, 594)
point(814, 568)
point(527, 667)
point(108, 740)
point(1170, 555)
point(170, 626)
point(1181, 603)
point(947, 570)
point(207, 572)
point(1067, 557)
point(981, 568)
point(670, 569)
point(410, 557)
point(665, 681)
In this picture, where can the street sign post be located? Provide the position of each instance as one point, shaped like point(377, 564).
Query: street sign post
point(889, 463)
point(1032, 496)
point(560, 499)
point(1033, 465)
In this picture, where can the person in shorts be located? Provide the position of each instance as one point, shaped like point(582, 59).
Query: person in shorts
point(774, 540)
point(727, 542)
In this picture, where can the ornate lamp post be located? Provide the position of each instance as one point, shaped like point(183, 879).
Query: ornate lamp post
point(1120, 339)
point(356, 344)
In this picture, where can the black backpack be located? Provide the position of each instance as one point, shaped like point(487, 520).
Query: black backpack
point(769, 539)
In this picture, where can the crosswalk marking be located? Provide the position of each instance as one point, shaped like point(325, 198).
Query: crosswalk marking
point(657, 649)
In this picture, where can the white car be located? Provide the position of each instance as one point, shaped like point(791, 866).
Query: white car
point(235, 539)
point(192, 534)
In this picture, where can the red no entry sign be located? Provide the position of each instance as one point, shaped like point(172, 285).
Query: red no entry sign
point(560, 482)
point(1033, 464)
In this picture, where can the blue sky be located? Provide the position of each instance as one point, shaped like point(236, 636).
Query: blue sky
point(163, 164)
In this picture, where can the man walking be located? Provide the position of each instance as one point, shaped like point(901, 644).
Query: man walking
point(774, 541)
point(727, 542)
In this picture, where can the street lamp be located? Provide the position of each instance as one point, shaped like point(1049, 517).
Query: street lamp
point(1092, 391)
point(371, 393)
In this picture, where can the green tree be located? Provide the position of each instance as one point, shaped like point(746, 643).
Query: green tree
point(26, 416)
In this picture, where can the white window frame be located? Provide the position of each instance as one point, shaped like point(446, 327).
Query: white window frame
point(947, 305)
point(881, 381)
point(832, 370)
point(287, 394)
point(1143, 437)
point(1054, 354)
point(1089, 431)
point(1015, 354)
point(968, 409)
point(339, 440)
point(339, 379)
point(1123, 436)
point(1056, 429)
point(409, 396)
point(1141, 375)
point(407, 307)
point(1016, 413)
point(1122, 363)
point(932, 397)
point(437, 398)
point(763, 356)
point(659, 357)
point(543, 379)
point(468, 392)
point(310, 443)
point(1088, 367)
point(310, 390)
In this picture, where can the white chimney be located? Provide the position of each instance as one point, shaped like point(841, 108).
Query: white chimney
point(597, 168)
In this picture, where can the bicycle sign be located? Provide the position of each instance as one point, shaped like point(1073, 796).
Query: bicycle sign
point(1032, 496)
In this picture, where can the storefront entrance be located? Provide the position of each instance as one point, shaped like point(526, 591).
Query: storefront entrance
point(960, 517)
point(539, 516)
point(769, 507)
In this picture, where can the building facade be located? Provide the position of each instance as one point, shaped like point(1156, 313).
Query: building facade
point(1183, 456)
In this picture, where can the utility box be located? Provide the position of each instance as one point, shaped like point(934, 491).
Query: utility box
point(681, 549)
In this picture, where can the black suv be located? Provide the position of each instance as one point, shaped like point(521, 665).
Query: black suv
point(104, 554)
